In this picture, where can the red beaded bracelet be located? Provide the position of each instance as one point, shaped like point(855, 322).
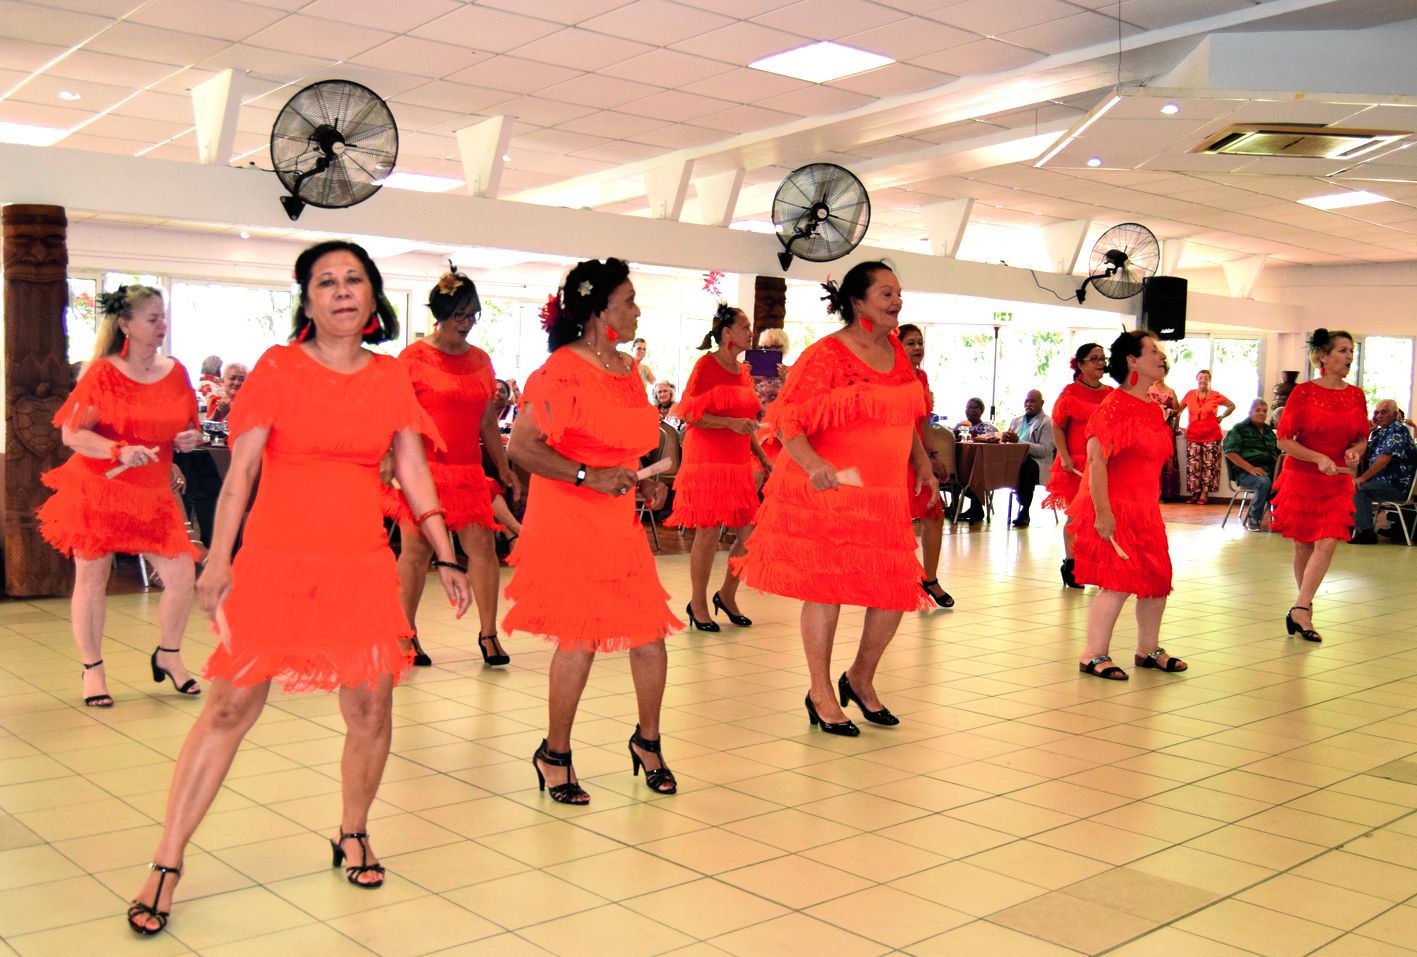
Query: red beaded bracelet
point(429, 514)
point(114, 451)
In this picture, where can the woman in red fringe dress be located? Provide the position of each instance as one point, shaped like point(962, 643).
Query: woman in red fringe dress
point(130, 408)
point(312, 600)
point(714, 486)
point(1121, 541)
point(454, 383)
point(848, 411)
point(585, 578)
point(1071, 412)
point(925, 506)
point(1325, 423)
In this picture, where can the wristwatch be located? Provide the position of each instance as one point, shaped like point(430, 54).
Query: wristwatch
point(580, 473)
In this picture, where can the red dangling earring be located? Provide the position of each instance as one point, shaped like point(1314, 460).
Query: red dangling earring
point(373, 326)
point(306, 332)
point(866, 324)
point(1133, 379)
point(611, 334)
point(124, 351)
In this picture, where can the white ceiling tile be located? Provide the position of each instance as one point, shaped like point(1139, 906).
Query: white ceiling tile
point(516, 180)
point(1070, 33)
point(422, 118)
point(667, 68)
point(481, 28)
point(893, 79)
point(456, 97)
point(105, 68)
point(102, 144)
point(423, 57)
point(26, 56)
point(581, 49)
point(542, 111)
point(568, 12)
point(1387, 117)
point(225, 19)
point(159, 106)
point(157, 44)
point(741, 43)
point(395, 17)
point(611, 124)
point(415, 143)
point(743, 9)
point(312, 36)
point(514, 75)
point(679, 136)
point(1155, 14)
point(619, 152)
point(95, 97)
point(906, 39)
point(979, 57)
point(40, 114)
point(745, 119)
point(815, 101)
point(990, 18)
point(38, 24)
point(828, 19)
point(556, 142)
point(134, 128)
point(269, 64)
point(657, 22)
point(675, 105)
point(744, 85)
point(604, 92)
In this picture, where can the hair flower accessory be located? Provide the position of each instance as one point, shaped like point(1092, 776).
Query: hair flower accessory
point(584, 288)
point(112, 302)
point(550, 313)
point(449, 283)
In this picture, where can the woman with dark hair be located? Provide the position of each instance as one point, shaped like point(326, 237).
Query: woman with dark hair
point(585, 578)
point(924, 505)
point(834, 527)
point(313, 599)
point(454, 383)
point(129, 410)
point(1324, 423)
point(1071, 412)
point(638, 348)
point(1203, 437)
point(1121, 540)
point(714, 486)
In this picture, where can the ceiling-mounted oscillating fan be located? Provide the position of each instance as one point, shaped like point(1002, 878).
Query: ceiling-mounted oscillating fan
point(821, 212)
point(332, 146)
point(1122, 259)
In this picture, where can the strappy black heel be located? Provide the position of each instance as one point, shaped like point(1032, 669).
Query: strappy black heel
point(1066, 570)
point(104, 700)
point(1292, 626)
point(848, 693)
point(353, 872)
point(660, 776)
point(742, 621)
point(709, 625)
point(492, 660)
point(943, 599)
point(567, 793)
point(188, 687)
point(844, 728)
point(419, 658)
point(139, 914)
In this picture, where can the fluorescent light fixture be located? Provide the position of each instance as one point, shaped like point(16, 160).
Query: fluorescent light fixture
point(1171, 109)
point(68, 95)
point(1354, 197)
point(244, 234)
point(1094, 161)
point(820, 62)
point(420, 182)
point(25, 134)
point(1063, 142)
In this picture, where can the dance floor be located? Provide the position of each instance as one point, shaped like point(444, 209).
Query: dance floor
point(1261, 803)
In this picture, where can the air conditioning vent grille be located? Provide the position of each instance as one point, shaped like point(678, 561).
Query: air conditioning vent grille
point(1303, 142)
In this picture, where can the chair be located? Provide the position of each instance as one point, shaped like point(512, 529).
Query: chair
point(668, 447)
point(1402, 509)
point(1238, 495)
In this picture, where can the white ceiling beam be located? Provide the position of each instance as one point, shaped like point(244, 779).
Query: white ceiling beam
point(1241, 274)
point(945, 224)
point(481, 148)
point(1172, 251)
point(1062, 242)
point(216, 104)
point(667, 186)
point(718, 196)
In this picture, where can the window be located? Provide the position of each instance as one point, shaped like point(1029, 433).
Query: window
point(237, 323)
point(1386, 371)
point(81, 321)
point(1234, 366)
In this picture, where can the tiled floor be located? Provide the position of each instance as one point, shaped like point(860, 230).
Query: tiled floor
point(1260, 803)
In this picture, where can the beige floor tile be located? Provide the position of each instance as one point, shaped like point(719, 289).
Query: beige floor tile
point(983, 937)
point(1010, 816)
point(235, 916)
point(1257, 929)
point(890, 916)
point(792, 830)
point(718, 805)
point(418, 926)
point(85, 936)
point(794, 881)
point(1397, 926)
point(1141, 894)
point(524, 899)
point(968, 888)
point(1387, 846)
point(500, 945)
point(636, 823)
point(1320, 903)
point(1209, 872)
point(605, 930)
point(40, 864)
point(544, 844)
point(946, 836)
point(627, 872)
point(1348, 807)
point(1107, 844)
point(1362, 874)
point(1255, 847)
point(1351, 945)
point(1071, 922)
point(705, 908)
point(874, 857)
point(440, 869)
point(35, 907)
point(711, 851)
point(297, 942)
point(1168, 942)
point(328, 894)
point(1303, 826)
point(796, 934)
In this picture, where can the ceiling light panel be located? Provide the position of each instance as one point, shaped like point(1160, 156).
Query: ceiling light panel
point(821, 62)
point(1344, 200)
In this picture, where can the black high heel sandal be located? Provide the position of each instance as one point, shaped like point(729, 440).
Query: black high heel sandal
point(140, 913)
point(567, 793)
point(104, 700)
point(353, 872)
point(709, 625)
point(844, 728)
point(189, 687)
point(848, 693)
point(661, 775)
point(1290, 625)
point(419, 658)
point(742, 621)
point(943, 599)
point(1067, 572)
point(492, 660)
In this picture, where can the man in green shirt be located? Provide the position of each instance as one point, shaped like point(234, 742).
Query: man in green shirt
point(1251, 450)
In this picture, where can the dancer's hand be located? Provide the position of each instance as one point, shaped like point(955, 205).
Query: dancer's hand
point(1326, 465)
point(455, 586)
point(822, 475)
point(135, 455)
point(655, 493)
point(188, 440)
point(925, 478)
point(611, 481)
point(1105, 524)
point(213, 585)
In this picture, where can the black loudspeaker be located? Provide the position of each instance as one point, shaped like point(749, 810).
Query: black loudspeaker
point(1163, 306)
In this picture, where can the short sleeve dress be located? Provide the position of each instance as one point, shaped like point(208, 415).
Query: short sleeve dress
point(846, 546)
point(314, 600)
point(1137, 442)
point(1076, 403)
point(1309, 505)
point(714, 485)
point(1202, 419)
point(584, 576)
point(454, 390)
point(135, 512)
point(925, 503)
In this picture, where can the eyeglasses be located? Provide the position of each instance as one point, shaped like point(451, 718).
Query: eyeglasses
point(1100, 360)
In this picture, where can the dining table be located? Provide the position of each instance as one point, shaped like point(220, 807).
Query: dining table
point(984, 467)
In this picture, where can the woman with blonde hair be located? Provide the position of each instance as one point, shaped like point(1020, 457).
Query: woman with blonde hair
point(129, 410)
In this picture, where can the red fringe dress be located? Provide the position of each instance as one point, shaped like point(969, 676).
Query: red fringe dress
point(925, 503)
point(1137, 443)
point(847, 546)
point(714, 485)
point(1076, 403)
point(454, 390)
point(314, 600)
point(585, 577)
point(1309, 505)
point(91, 515)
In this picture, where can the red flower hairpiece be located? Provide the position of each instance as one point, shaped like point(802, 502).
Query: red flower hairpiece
point(1073, 364)
point(712, 278)
point(551, 312)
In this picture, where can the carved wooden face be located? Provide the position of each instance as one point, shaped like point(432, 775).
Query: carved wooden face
point(35, 251)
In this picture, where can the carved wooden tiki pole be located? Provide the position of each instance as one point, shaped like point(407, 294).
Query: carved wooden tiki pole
point(37, 381)
point(769, 304)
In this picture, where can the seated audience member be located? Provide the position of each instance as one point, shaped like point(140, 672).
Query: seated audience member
point(1387, 473)
point(505, 402)
point(974, 425)
point(664, 401)
point(1251, 449)
point(210, 380)
point(1035, 429)
point(767, 387)
point(232, 378)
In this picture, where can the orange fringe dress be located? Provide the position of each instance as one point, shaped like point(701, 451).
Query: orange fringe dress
point(714, 485)
point(135, 512)
point(1134, 434)
point(585, 577)
point(314, 600)
point(454, 390)
point(846, 546)
point(1309, 505)
point(925, 503)
point(1076, 403)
